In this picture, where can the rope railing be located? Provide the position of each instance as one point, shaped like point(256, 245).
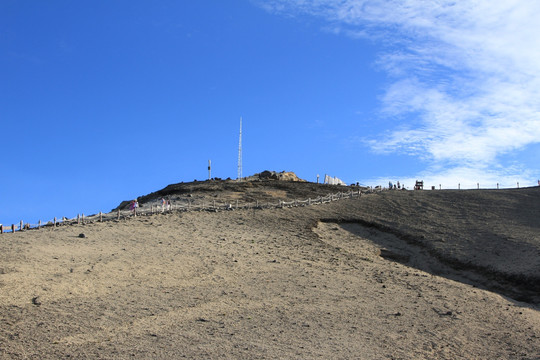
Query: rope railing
point(154, 207)
point(194, 205)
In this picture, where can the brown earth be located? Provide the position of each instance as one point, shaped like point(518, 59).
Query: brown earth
point(392, 275)
point(266, 189)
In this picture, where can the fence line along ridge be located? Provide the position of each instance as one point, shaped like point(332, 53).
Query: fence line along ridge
point(187, 205)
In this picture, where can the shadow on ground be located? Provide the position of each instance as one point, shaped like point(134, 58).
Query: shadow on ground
point(405, 249)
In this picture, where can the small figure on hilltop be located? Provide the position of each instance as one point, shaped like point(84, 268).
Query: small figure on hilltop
point(163, 203)
point(133, 207)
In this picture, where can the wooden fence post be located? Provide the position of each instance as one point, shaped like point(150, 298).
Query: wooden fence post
point(22, 226)
point(82, 219)
point(78, 218)
point(1, 229)
point(100, 216)
point(54, 224)
point(39, 224)
point(13, 228)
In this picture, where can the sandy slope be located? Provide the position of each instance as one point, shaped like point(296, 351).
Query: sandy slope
point(278, 283)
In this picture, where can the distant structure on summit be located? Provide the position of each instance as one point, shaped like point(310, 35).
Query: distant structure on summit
point(333, 180)
point(239, 178)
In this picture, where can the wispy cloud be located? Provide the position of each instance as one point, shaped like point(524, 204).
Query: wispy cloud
point(465, 76)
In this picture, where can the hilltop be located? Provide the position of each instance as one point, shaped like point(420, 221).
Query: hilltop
point(265, 186)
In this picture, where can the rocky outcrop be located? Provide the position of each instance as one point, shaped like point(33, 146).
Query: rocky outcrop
point(273, 175)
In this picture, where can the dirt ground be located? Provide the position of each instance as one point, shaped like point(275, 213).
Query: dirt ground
point(395, 275)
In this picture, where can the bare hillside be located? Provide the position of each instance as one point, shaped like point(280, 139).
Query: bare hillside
point(263, 189)
point(391, 275)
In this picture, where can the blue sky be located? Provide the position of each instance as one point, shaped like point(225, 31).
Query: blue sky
point(103, 101)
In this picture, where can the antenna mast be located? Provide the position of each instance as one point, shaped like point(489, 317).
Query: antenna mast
point(240, 153)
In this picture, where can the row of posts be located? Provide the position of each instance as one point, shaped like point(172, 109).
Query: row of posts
point(22, 226)
point(478, 186)
point(80, 217)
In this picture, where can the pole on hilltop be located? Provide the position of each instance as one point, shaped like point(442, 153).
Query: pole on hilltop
point(239, 178)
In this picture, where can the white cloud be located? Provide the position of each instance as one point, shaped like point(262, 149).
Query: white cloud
point(465, 76)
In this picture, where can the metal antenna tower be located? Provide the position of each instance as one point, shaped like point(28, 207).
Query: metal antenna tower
point(240, 153)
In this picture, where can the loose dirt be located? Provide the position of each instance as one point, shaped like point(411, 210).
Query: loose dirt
point(395, 275)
